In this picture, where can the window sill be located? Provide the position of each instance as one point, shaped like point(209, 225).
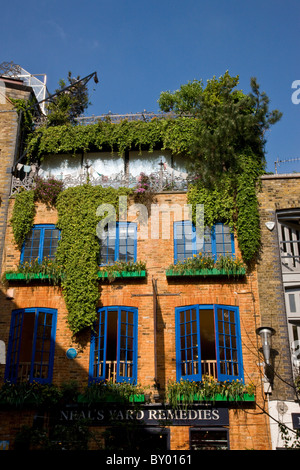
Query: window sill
point(122, 274)
point(205, 272)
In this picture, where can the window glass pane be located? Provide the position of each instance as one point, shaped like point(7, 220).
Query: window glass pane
point(117, 349)
point(121, 243)
point(292, 303)
point(209, 440)
point(36, 234)
point(227, 339)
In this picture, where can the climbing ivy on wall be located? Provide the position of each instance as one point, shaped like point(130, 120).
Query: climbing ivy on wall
point(79, 247)
point(23, 216)
point(78, 250)
point(233, 200)
point(172, 134)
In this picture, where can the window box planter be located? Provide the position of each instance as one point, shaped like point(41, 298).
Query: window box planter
point(25, 277)
point(205, 272)
point(122, 274)
point(101, 275)
point(113, 398)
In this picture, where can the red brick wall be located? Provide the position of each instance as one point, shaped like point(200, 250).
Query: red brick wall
point(247, 430)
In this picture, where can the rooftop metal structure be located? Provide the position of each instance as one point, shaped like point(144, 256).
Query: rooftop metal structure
point(39, 85)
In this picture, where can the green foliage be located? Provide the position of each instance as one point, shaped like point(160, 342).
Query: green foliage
point(25, 110)
point(121, 266)
point(101, 391)
point(201, 261)
point(232, 199)
point(68, 103)
point(186, 392)
point(75, 436)
point(25, 393)
point(78, 249)
point(228, 123)
point(246, 203)
point(290, 437)
point(172, 134)
point(186, 100)
point(76, 261)
point(47, 267)
point(218, 200)
point(23, 215)
point(47, 190)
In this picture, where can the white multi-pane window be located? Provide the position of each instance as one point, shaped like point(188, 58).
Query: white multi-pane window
point(289, 241)
point(292, 298)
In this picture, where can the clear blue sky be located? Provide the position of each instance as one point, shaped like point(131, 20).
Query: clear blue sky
point(140, 48)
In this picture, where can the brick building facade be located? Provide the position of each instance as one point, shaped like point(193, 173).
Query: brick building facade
point(156, 354)
point(162, 309)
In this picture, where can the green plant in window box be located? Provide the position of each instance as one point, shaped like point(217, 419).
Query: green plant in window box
point(30, 394)
point(112, 392)
point(230, 264)
point(186, 392)
point(203, 262)
point(119, 268)
point(48, 270)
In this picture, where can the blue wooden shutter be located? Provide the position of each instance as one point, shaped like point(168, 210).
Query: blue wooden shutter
point(43, 345)
point(13, 351)
point(127, 345)
point(40, 367)
point(188, 352)
point(98, 348)
point(228, 343)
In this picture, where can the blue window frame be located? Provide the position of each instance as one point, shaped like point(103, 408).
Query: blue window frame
point(119, 243)
point(30, 352)
point(218, 240)
point(113, 353)
point(208, 342)
point(40, 243)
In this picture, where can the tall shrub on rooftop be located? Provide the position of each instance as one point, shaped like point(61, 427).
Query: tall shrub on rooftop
point(227, 153)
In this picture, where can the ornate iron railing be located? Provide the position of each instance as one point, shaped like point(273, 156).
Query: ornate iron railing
point(162, 180)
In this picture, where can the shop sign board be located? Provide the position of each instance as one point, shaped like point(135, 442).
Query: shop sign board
point(149, 416)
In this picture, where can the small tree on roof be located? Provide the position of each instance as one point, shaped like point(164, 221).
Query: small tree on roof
point(70, 101)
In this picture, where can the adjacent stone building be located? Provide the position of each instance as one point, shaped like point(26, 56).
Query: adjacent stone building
point(278, 283)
